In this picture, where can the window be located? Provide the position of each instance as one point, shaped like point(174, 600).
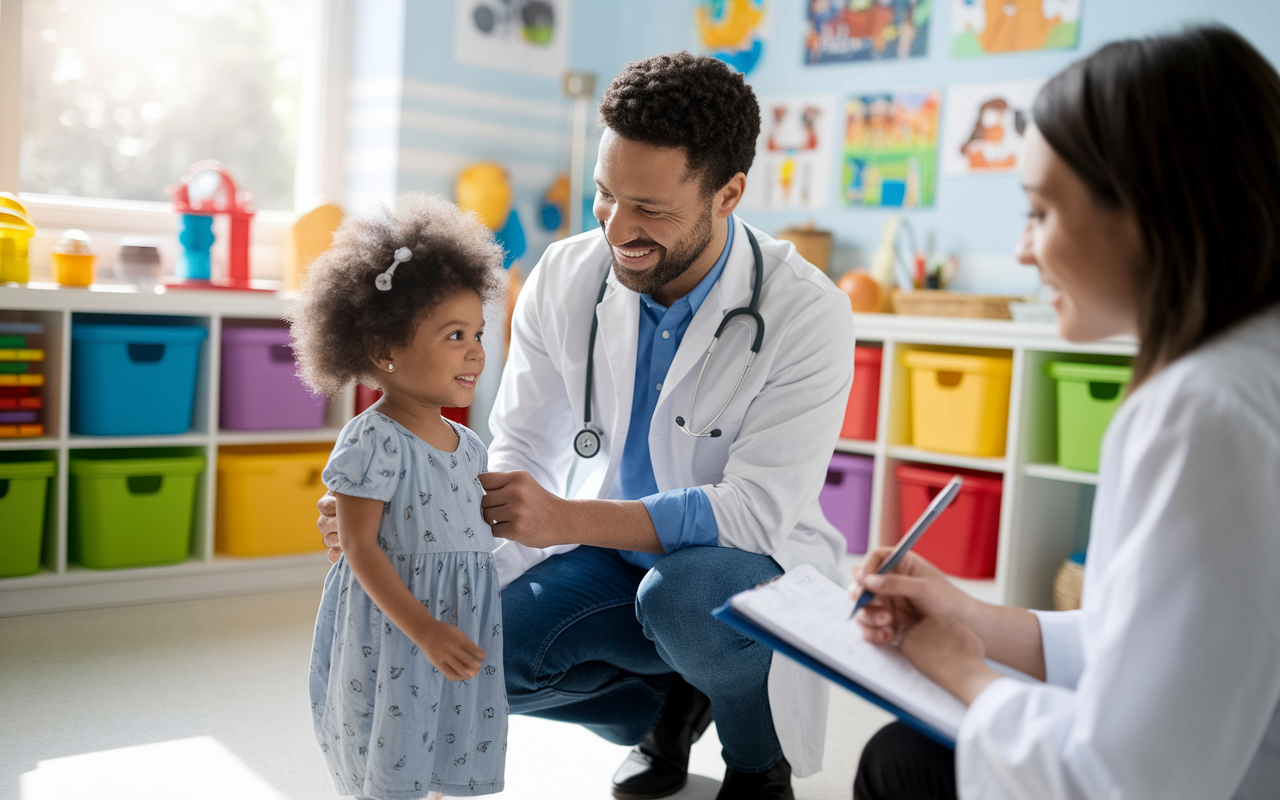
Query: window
point(120, 97)
point(105, 103)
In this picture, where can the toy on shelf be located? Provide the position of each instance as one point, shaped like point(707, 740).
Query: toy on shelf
point(553, 208)
point(16, 229)
point(812, 244)
point(207, 189)
point(138, 261)
point(311, 235)
point(73, 259)
point(21, 358)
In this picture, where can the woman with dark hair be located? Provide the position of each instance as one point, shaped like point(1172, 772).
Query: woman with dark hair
point(1153, 175)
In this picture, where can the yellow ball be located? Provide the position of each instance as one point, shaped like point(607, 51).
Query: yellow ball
point(484, 189)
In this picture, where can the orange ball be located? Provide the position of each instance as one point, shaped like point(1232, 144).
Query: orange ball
point(865, 294)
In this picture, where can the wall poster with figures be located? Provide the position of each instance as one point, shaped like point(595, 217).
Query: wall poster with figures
point(891, 149)
point(986, 27)
point(521, 36)
point(984, 126)
point(794, 153)
point(838, 31)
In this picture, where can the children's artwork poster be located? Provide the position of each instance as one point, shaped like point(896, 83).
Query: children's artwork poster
point(839, 31)
point(523, 36)
point(732, 31)
point(986, 27)
point(891, 149)
point(982, 133)
point(794, 154)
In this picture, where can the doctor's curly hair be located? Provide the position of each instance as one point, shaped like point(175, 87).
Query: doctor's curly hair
point(341, 321)
point(694, 102)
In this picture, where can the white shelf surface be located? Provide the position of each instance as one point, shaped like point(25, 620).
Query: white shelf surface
point(947, 459)
point(320, 435)
point(856, 447)
point(29, 443)
point(77, 441)
point(1054, 472)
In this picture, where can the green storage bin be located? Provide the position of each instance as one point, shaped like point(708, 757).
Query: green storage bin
point(1088, 396)
point(24, 495)
point(131, 508)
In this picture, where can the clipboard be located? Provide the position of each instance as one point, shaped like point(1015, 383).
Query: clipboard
point(729, 615)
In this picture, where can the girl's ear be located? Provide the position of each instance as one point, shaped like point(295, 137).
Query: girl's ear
point(381, 362)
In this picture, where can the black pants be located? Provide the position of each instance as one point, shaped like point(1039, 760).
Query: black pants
point(900, 764)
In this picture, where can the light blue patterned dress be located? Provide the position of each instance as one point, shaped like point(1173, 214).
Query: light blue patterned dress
point(391, 726)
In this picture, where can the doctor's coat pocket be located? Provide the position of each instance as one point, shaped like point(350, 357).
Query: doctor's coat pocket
point(711, 453)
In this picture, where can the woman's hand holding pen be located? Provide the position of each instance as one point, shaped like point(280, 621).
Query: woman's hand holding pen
point(917, 607)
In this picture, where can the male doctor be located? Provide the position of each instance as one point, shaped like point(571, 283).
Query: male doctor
point(616, 634)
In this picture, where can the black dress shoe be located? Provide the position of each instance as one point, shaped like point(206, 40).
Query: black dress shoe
point(659, 765)
point(772, 784)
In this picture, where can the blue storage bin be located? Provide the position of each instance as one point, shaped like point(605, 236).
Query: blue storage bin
point(129, 380)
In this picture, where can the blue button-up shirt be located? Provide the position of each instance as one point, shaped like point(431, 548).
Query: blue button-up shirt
point(681, 517)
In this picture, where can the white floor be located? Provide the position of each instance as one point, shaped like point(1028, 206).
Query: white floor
point(207, 699)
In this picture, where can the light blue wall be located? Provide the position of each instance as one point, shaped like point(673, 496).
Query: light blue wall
point(444, 115)
point(977, 218)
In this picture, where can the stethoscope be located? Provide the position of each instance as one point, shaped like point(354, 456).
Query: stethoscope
point(587, 441)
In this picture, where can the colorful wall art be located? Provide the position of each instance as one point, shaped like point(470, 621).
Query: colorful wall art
point(522, 36)
point(982, 134)
point(732, 31)
point(839, 31)
point(794, 154)
point(986, 27)
point(891, 149)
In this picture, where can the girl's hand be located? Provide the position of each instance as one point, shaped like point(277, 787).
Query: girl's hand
point(450, 651)
point(951, 655)
point(915, 590)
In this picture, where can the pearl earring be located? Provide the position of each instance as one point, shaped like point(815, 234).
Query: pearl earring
point(391, 367)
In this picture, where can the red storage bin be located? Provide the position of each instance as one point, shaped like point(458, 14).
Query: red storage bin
point(864, 398)
point(962, 541)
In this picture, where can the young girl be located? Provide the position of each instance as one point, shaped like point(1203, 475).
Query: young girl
point(406, 671)
point(1153, 178)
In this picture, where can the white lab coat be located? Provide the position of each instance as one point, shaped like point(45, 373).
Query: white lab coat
point(762, 476)
point(1166, 684)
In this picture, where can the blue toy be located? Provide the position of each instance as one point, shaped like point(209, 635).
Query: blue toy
point(196, 237)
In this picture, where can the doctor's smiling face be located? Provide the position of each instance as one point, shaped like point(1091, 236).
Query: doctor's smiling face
point(665, 232)
point(1088, 255)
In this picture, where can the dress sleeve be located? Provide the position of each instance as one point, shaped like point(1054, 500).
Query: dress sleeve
point(366, 461)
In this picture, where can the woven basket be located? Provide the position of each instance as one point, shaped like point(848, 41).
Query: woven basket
point(1067, 586)
point(935, 303)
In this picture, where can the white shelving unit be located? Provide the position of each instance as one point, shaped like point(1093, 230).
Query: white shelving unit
point(1040, 501)
point(61, 584)
point(1038, 516)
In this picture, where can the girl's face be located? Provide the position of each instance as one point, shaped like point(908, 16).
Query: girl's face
point(440, 365)
point(1088, 256)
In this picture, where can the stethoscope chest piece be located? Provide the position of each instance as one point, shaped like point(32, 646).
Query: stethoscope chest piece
point(587, 443)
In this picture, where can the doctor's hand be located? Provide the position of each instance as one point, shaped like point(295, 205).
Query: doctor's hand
point(915, 590)
point(518, 508)
point(328, 525)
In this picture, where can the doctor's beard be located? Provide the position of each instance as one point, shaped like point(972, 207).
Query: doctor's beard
point(672, 263)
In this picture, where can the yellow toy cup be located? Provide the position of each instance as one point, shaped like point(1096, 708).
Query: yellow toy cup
point(73, 259)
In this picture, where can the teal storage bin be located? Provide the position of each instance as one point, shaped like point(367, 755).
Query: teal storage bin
point(1088, 396)
point(131, 508)
point(133, 380)
point(24, 495)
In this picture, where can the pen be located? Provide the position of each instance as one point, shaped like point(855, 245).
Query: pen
point(926, 519)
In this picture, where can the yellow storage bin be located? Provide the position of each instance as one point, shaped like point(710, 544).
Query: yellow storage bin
point(959, 402)
point(267, 498)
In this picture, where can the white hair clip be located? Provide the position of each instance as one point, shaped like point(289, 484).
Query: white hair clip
point(383, 281)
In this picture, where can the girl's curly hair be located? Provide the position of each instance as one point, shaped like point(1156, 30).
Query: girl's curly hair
point(340, 321)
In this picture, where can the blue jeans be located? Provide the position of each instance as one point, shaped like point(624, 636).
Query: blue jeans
point(593, 640)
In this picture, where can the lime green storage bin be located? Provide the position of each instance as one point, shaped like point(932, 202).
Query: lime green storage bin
point(1088, 396)
point(24, 496)
point(131, 508)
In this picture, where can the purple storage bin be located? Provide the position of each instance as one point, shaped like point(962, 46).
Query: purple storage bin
point(846, 498)
point(260, 390)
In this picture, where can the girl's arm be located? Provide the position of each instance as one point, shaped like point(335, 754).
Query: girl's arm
point(445, 646)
